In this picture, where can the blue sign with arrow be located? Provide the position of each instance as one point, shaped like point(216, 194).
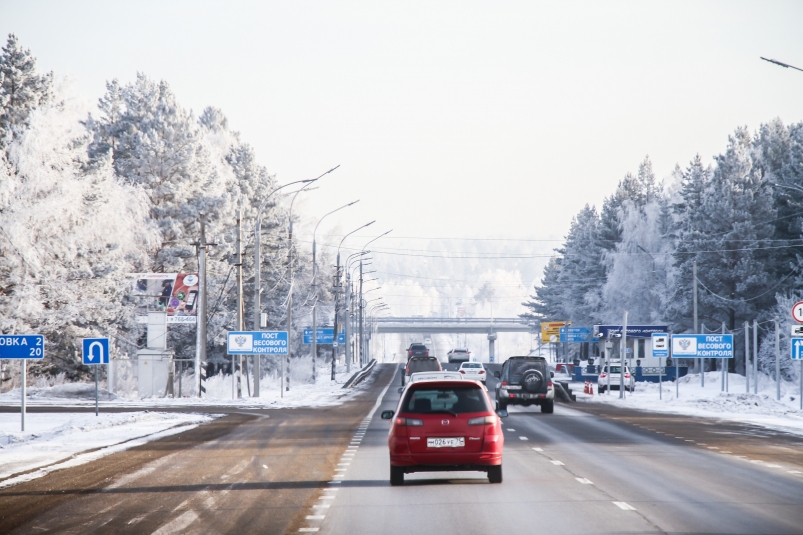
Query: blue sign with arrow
point(797, 348)
point(575, 334)
point(95, 351)
point(324, 336)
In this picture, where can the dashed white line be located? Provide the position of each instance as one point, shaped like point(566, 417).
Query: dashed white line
point(332, 497)
point(557, 463)
point(523, 438)
point(795, 472)
point(307, 530)
point(583, 481)
point(316, 517)
point(538, 449)
point(509, 429)
point(625, 506)
point(322, 506)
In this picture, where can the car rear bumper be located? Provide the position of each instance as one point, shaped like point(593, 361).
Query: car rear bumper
point(446, 462)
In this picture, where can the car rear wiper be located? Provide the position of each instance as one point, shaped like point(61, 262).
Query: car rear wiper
point(442, 410)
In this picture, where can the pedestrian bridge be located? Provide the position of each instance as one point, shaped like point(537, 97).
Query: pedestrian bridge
point(405, 325)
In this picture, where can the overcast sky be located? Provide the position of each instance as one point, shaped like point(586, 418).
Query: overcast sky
point(449, 119)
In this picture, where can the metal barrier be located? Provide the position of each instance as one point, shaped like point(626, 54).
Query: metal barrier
point(360, 375)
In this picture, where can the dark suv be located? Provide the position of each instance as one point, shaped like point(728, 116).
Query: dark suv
point(417, 350)
point(420, 364)
point(525, 381)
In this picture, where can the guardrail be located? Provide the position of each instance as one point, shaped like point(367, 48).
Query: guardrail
point(360, 375)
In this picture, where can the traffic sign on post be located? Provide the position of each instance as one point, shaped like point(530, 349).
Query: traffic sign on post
point(706, 346)
point(22, 346)
point(324, 336)
point(797, 312)
point(95, 351)
point(797, 348)
point(660, 345)
point(257, 343)
point(575, 334)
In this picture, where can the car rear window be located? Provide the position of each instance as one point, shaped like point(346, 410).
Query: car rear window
point(616, 369)
point(453, 399)
point(471, 365)
point(418, 347)
point(521, 366)
point(424, 365)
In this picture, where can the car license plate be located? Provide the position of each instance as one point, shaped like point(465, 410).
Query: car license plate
point(457, 442)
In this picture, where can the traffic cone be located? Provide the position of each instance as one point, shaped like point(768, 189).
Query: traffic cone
point(585, 387)
point(591, 388)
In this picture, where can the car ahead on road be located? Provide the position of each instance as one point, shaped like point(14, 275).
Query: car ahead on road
point(420, 364)
point(445, 426)
point(435, 376)
point(525, 381)
point(459, 355)
point(473, 370)
point(417, 349)
point(615, 378)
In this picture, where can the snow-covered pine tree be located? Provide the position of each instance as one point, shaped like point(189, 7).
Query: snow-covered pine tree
point(22, 89)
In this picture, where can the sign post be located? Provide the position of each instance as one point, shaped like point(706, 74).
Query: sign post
point(95, 353)
point(660, 349)
point(23, 347)
point(797, 354)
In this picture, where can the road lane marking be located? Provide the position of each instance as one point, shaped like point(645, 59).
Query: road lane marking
point(316, 517)
point(725, 451)
point(335, 482)
point(523, 438)
point(557, 463)
point(712, 448)
point(773, 465)
point(178, 524)
point(583, 481)
point(307, 530)
point(343, 464)
point(329, 497)
point(322, 506)
point(340, 469)
point(509, 429)
point(689, 440)
point(331, 490)
point(625, 506)
point(795, 472)
point(538, 449)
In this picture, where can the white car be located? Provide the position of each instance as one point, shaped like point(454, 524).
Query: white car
point(473, 370)
point(615, 378)
point(434, 376)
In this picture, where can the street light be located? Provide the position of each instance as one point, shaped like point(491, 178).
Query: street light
point(784, 65)
point(258, 267)
point(315, 291)
point(337, 300)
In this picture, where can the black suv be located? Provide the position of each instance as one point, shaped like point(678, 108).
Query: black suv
point(417, 349)
point(525, 381)
point(420, 364)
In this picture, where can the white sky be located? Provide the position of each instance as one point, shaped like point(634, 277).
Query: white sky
point(449, 119)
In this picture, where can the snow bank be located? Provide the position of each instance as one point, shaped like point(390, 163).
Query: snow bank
point(736, 405)
point(55, 441)
point(324, 392)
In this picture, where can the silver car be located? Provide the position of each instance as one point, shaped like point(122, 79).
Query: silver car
point(614, 378)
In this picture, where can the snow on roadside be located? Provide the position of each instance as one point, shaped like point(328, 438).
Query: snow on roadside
point(736, 405)
point(324, 392)
point(53, 441)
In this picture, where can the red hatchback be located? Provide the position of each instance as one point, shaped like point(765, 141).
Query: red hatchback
point(445, 426)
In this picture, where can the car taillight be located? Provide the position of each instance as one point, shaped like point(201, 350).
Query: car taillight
point(427, 352)
point(482, 371)
point(504, 383)
point(410, 422)
point(627, 376)
point(549, 384)
point(482, 420)
point(462, 371)
point(602, 376)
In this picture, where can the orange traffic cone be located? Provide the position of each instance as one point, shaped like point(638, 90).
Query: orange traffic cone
point(585, 387)
point(591, 388)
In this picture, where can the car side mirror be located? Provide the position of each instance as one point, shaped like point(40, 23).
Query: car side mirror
point(401, 389)
point(498, 375)
point(387, 415)
point(552, 374)
point(502, 413)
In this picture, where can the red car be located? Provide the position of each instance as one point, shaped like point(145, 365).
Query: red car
point(445, 426)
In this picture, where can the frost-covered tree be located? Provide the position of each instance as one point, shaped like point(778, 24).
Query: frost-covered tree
point(70, 235)
point(22, 89)
point(766, 354)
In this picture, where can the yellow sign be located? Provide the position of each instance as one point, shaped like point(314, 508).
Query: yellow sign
point(550, 330)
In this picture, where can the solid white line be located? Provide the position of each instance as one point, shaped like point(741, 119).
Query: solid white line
point(625, 506)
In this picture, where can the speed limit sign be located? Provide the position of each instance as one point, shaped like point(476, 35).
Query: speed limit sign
point(797, 312)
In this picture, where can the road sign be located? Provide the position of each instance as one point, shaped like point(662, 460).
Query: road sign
point(797, 312)
point(660, 345)
point(575, 334)
point(633, 331)
point(797, 349)
point(325, 336)
point(550, 329)
point(256, 343)
point(797, 331)
point(22, 346)
point(706, 346)
point(95, 351)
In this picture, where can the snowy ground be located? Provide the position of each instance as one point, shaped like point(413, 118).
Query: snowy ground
point(218, 392)
point(736, 405)
point(56, 441)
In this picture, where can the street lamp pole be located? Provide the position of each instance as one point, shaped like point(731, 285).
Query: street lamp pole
point(337, 296)
point(258, 267)
point(315, 292)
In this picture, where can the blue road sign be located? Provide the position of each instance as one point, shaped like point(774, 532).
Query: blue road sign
point(257, 342)
point(660, 345)
point(96, 351)
point(575, 334)
point(797, 348)
point(633, 331)
point(324, 336)
point(705, 346)
point(22, 346)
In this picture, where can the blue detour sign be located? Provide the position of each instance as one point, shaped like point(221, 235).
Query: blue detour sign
point(325, 336)
point(96, 351)
point(22, 346)
point(704, 346)
point(257, 342)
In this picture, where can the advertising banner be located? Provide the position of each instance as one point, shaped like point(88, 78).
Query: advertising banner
point(550, 331)
point(176, 293)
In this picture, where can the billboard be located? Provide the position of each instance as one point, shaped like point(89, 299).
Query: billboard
point(175, 293)
point(550, 331)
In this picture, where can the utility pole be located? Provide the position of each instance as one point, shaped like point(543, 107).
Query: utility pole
point(755, 356)
point(237, 365)
point(624, 356)
point(361, 319)
point(700, 362)
point(777, 360)
point(746, 357)
point(285, 385)
point(315, 312)
point(200, 342)
point(347, 318)
point(337, 306)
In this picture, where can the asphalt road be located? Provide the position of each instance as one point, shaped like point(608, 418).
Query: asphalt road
point(595, 470)
point(587, 468)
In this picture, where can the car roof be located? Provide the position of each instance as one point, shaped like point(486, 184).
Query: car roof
point(423, 358)
point(446, 383)
point(437, 376)
point(470, 362)
point(527, 358)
